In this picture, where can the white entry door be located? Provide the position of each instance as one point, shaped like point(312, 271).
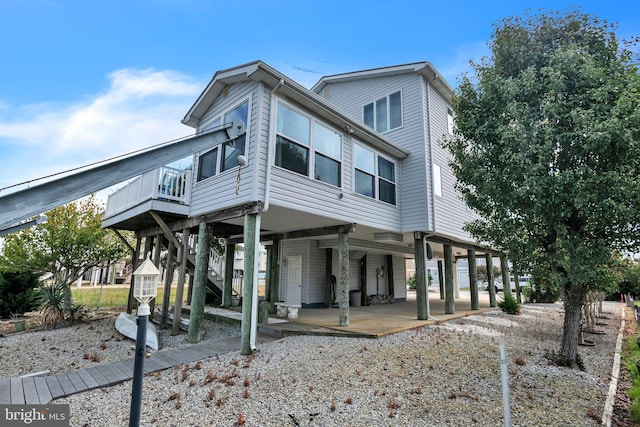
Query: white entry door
point(294, 280)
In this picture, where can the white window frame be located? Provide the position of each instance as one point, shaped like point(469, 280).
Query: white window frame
point(388, 112)
point(376, 174)
point(220, 147)
point(437, 180)
point(450, 122)
point(312, 151)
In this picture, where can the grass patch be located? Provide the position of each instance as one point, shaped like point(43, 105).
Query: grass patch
point(111, 296)
point(631, 354)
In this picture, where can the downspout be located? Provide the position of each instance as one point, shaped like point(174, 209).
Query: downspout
point(270, 145)
point(433, 197)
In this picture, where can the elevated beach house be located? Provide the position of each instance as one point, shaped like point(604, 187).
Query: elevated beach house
point(341, 183)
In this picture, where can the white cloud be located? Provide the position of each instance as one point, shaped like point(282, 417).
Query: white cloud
point(140, 108)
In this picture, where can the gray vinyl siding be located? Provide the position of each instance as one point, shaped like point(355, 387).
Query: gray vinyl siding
point(352, 96)
point(399, 277)
point(450, 211)
point(317, 280)
point(219, 191)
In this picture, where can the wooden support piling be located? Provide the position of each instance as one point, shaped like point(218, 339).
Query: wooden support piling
point(343, 278)
point(449, 305)
point(473, 279)
point(200, 283)
point(177, 308)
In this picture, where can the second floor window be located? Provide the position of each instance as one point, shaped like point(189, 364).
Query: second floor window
point(219, 160)
point(385, 113)
point(305, 146)
point(374, 176)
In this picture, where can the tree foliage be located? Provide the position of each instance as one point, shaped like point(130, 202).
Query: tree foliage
point(17, 292)
point(69, 243)
point(547, 151)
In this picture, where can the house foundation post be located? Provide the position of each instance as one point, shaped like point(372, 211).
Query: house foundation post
point(504, 267)
point(177, 308)
point(456, 281)
point(157, 250)
point(250, 289)
point(441, 279)
point(200, 283)
point(473, 279)
point(227, 291)
point(328, 280)
point(343, 277)
point(390, 281)
point(134, 260)
point(274, 275)
point(168, 280)
point(490, 280)
point(421, 276)
point(192, 278)
point(449, 305)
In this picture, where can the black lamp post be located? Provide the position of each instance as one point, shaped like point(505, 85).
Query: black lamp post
point(144, 290)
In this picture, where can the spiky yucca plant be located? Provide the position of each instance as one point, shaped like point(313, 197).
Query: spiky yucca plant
point(51, 303)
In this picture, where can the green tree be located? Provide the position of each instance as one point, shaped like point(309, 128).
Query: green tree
point(17, 292)
point(547, 151)
point(69, 243)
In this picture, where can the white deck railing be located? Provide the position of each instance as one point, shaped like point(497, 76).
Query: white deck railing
point(216, 264)
point(164, 183)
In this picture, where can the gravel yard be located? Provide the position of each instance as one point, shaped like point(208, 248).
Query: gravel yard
point(441, 375)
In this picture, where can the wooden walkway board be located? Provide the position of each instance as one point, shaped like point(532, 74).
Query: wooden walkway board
point(17, 394)
point(66, 384)
point(42, 390)
point(88, 379)
point(77, 382)
point(30, 392)
point(97, 375)
point(44, 394)
point(54, 386)
point(5, 391)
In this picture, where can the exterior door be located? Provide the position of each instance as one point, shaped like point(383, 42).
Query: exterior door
point(294, 280)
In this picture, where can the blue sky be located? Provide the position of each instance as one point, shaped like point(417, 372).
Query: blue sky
point(85, 80)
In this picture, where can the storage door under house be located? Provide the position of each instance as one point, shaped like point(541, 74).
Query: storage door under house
point(294, 280)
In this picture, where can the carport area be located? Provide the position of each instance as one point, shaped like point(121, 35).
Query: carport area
point(374, 321)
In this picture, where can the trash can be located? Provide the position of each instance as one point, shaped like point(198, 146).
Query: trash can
point(355, 298)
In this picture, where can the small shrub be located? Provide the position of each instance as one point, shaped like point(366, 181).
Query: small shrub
point(51, 303)
point(411, 283)
point(75, 313)
point(509, 304)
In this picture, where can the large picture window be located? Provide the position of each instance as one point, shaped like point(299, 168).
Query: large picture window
point(385, 113)
point(298, 137)
point(219, 160)
point(368, 172)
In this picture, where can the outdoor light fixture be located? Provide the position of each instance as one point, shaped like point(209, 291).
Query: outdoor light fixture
point(145, 288)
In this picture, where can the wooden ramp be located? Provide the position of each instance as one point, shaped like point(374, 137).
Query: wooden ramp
point(42, 390)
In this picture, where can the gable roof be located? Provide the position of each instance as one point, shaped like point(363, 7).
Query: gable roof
point(425, 69)
point(261, 72)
